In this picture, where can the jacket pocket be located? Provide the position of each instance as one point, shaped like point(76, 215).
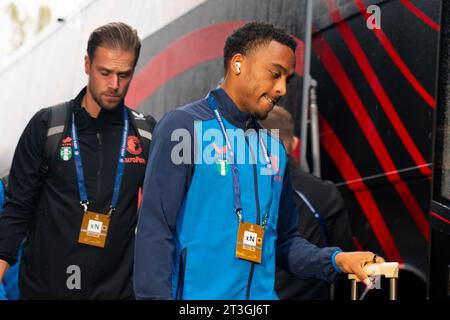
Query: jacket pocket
point(181, 274)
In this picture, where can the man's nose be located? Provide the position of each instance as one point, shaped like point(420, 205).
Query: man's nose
point(114, 82)
point(280, 87)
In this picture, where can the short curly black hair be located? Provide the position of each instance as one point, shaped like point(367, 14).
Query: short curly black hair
point(252, 35)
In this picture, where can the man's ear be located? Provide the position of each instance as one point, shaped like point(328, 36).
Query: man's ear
point(236, 63)
point(295, 143)
point(87, 65)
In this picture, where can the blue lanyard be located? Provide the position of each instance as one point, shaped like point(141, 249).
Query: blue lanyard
point(79, 165)
point(214, 106)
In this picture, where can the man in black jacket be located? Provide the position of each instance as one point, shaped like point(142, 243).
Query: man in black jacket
point(79, 215)
point(323, 218)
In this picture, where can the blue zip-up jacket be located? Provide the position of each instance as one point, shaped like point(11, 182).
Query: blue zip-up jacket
point(9, 288)
point(187, 229)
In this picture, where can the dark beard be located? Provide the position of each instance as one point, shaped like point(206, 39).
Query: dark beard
point(99, 102)
point(258, 116)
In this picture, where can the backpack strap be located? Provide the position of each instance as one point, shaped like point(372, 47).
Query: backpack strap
point(143, 126)
point(57, 126)
point(315, 214)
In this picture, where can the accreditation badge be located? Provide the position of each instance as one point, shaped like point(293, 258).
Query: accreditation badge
point(249, 242)
point(94, 229)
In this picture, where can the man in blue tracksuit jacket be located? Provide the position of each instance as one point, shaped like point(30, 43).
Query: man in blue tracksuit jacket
point(214, 179)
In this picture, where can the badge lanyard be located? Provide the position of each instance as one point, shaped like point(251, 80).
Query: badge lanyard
point(214, 106)
point(79, 165)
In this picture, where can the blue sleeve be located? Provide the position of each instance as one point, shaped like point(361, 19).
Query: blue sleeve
point(295, 254)
point(3, 293)
point(24, 188)
point(165, 186)
point(2, 196)
point(9, 289)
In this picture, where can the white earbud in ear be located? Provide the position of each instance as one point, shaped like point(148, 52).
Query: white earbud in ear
point(238, 67)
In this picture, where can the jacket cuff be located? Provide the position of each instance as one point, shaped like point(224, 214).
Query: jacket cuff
point(333, 261)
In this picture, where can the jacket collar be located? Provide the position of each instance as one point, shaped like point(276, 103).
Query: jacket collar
point(230, 111)
point(110, 116)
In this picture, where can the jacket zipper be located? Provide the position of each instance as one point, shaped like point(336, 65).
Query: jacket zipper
point(181, 274)
point(258, 216)
point(99, 172)
point(89, 256)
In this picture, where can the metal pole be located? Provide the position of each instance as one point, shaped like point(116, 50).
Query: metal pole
point(354, 292)
point(332, 291)
point(306, 80)
point(393, 289)
point(315, 134)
